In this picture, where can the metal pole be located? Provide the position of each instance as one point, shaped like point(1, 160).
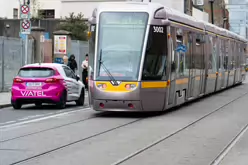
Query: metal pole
point(41, 53)
point(21, 52)
point(26, 50)
point(3, 65)
point(212, 11)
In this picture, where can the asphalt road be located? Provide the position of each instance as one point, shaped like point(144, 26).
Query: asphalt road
point(10, 115)
point(209, 131)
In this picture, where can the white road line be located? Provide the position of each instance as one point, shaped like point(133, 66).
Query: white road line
point(29, 117)
point(9, 122)
point(230, 146)
point(40, 119)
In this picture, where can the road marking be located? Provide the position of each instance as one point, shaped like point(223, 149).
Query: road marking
point(9, 122)
point(230, 146)
point(40, 119)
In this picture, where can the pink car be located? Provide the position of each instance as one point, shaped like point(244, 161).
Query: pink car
point(46, 83)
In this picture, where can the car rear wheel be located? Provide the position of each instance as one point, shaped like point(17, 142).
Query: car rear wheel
point(38, 104)
point(62, 103)
point(17, 105)
point(80, 100)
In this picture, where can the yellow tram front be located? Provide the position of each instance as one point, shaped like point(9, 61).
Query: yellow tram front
point(127, 73)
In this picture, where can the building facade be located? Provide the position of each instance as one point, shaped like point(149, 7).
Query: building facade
point(61, 8)
point(220, 13)
point(9, 9)
point(238, 10)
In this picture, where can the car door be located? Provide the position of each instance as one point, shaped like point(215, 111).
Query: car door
point(72, 85)
point(76, 84)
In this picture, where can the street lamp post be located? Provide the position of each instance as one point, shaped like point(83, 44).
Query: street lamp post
point(212, 10)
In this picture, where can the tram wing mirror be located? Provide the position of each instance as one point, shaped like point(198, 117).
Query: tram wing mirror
point(165, 22)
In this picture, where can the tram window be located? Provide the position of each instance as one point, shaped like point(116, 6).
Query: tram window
point(238, 56)
point(92, 45)
point(221, 52)
point(198, 54)
point(188, 40)
point(231, 60)
point(212, 55)
point(225, 61)
point(173, 48)
point(155, 58)
point(234, 55)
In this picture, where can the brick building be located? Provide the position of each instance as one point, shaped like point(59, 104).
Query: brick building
point(221, 14)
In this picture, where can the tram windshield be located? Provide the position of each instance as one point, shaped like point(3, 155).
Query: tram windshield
point(120, 44)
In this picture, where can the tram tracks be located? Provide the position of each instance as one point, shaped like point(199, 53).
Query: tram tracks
point(147, 147)
point(123, 125)
point(229, 146)
point(75, 142)
point(52, 128)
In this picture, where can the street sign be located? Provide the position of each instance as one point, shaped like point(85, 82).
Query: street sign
point(24, 11)
point(60, 44)
point(182, 48)
point(25, 26)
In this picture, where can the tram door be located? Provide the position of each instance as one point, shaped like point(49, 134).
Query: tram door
point(197, 65)
point(172, 65)
point(222, 62)
point(191, 62)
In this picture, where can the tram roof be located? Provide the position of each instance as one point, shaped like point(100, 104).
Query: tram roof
point(168, 13)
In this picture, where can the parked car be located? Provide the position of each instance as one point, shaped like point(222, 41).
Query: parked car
point(46, 83)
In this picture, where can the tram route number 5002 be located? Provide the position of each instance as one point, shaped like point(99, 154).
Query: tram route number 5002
point(157, 29)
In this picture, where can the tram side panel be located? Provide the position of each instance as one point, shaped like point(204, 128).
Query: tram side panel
point(231, 64)
point(154, 80)
point(243, 63)
point(211, 45)
point(188, 73)
point(238, 64)
point(179, 72)
point(221, 72)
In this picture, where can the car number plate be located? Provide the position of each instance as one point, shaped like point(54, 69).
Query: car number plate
point(34, 84)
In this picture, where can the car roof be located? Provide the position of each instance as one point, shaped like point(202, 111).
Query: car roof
point(45, 65)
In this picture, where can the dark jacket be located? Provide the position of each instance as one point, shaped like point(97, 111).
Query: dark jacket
point(72, 63)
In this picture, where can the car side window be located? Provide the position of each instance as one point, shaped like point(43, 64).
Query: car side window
point(69, 73)
point(72, 74)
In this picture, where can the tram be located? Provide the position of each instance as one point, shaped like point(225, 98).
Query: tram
point(144, 56)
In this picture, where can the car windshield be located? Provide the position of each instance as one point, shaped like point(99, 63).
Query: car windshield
point(36, 72)
point(120, 44)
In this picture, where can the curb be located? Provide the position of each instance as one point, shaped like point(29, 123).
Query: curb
point(5, 106)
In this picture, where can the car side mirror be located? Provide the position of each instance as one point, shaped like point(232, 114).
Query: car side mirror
point(77, 77)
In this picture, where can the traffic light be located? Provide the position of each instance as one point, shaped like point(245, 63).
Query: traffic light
point(28, 2)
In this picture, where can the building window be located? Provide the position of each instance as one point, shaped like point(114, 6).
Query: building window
point(15, 13)
point(47, 13)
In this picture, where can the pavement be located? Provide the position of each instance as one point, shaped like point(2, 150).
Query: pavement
point(5, 99)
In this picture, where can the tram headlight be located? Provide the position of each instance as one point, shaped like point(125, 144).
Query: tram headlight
point(102, 86)
point(130, 86)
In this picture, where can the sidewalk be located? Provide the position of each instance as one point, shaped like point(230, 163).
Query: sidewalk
point(5, 99)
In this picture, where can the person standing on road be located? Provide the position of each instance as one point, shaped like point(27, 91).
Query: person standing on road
point(72, 63)
point(85, 71)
